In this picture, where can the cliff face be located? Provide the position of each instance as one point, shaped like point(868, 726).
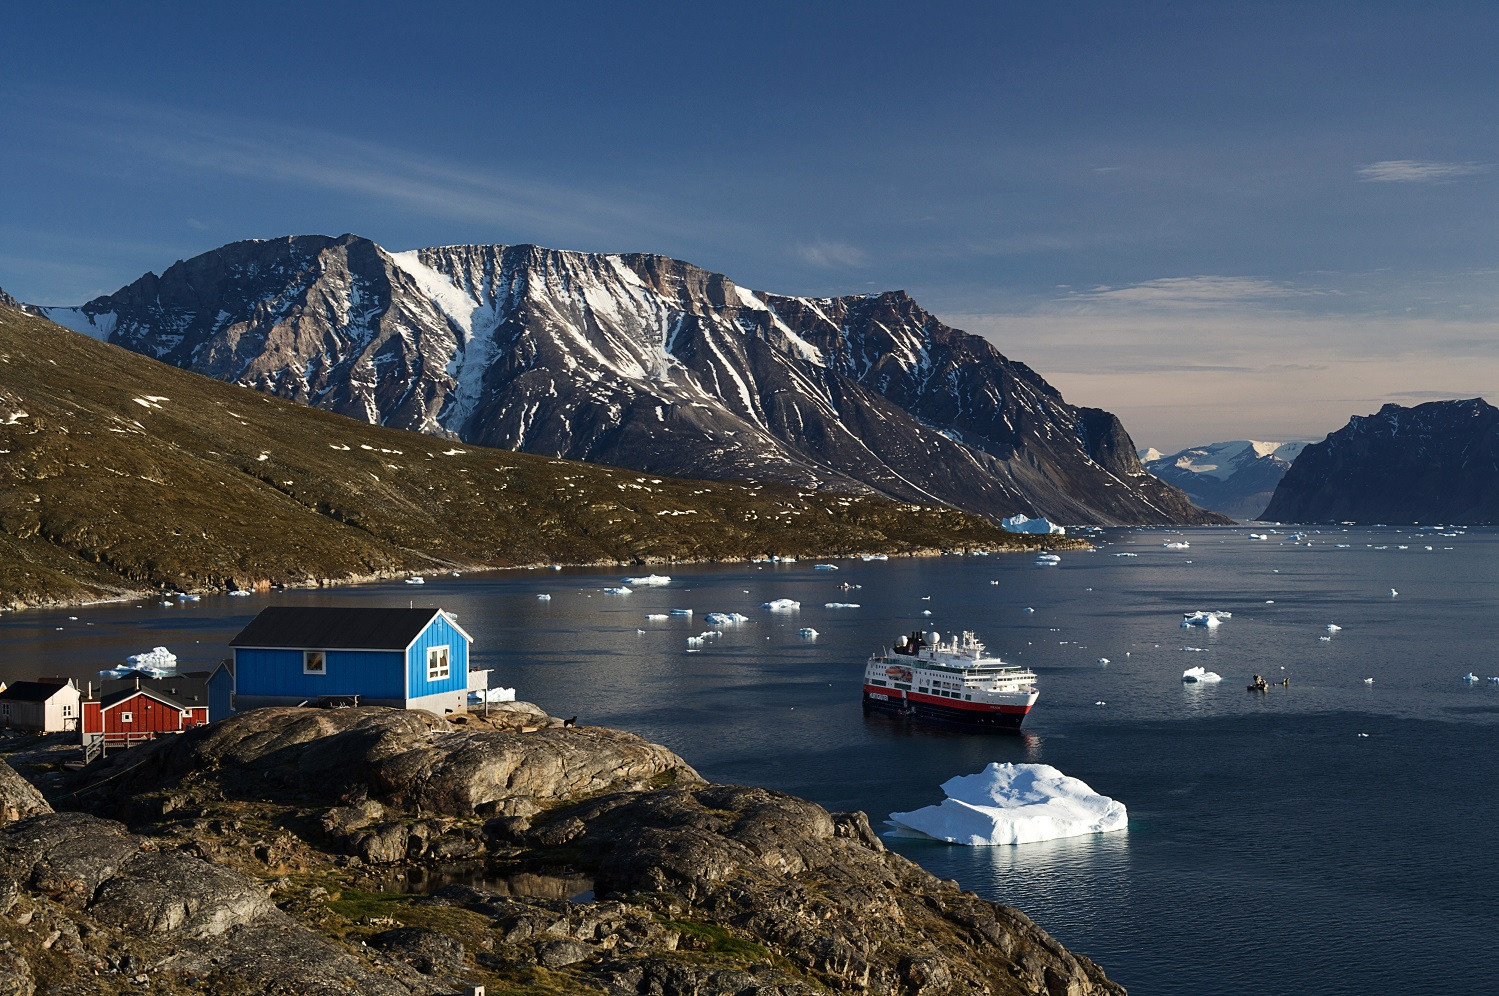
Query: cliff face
point(639, 361)
point(1436, 462)
point(294, 822)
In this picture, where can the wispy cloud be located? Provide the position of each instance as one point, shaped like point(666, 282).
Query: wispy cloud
point(831, 254)
point(1418, 171)
point(1191, 292)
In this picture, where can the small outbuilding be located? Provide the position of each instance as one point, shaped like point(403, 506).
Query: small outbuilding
point(132, 715)
point(306, 655)
point(213, 688)
point(42, 706)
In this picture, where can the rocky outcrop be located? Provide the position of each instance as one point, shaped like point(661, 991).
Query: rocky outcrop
point(18, 798)
point(608, 865)
point(1434, 463)
point(639, 361)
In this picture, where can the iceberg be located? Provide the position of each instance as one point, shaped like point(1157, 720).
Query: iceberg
point(1470, 677)
point(1025, 524)
point(824, 567)
point(621, 590)
point(1013, 804)
point(240, 593)
point(656, 615)
point(1212, 620)
point(782, 605)
point(1201, 674)
point(1048, 560)
point(874, 556)
point(807, 633)
point(1179, 545)
point(681, 612)
point(1333, 628)
point(649, 581)
point(724, 619)
point(543, 597)
point(156, 657)
point(840, 605)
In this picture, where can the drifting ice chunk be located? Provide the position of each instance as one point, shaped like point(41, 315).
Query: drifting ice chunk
point(725, 619)
point(1179, 545)
point(656, 616)
point(681, 612)
point(1333, 627)
point(543, 597)
point(492, 695)
point(875, 556)
point(782, 605)
point(1013, 804)
point(1048, 560)
point(1201, 674)
point(824, 567)
point(621, 590)
point(240, 593)
point(417, 579)
point(1024, 524)
point(1368, 681)
point(1470, 677)
point(1212, 620)
point(840, 605)
point(807, 633)
point(649, 581)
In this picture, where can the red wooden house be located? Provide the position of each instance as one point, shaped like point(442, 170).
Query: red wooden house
point(130, 716)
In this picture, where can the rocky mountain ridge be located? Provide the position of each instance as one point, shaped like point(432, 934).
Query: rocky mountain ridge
point(639, 361)
point(1236, 477)
point(1433, 463)
point(122, 475)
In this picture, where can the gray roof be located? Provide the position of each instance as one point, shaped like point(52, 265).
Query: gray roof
point(33, 691)
point(319, 627)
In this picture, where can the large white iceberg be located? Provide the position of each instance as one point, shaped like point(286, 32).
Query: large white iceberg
point(1202, 674)
point(649, 581)
point(1210, 620)
point(725, 618)
point(480, 696)
point(1013, 804)
point(782, 605)
point(1025, 524)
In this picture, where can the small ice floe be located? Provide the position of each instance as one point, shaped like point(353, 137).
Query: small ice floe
point(994, 582)
point(1258, 536)
point(701, 638)
point(1363, 734)
point(846, 586)
point(724, 619)
point(1012, 804)
point(166, 602)
point(875, 556)
point(640, 632)
point(1196, 650)
point(1325, 639)
point(926, 598)
point(1334, 628)
point(680, 612)
point(1104, 660)
point(1048, 560)
point(1393, 592)
point(556, 567)
point(240, 593)
point(824, 567)
point(1126, 554)
point(1470, 677)
point(416, 579)
point(926, 612)
point(649, 581)
point(1027, 610)
point(840, 605)
point(1210, 620)
point(183, 596)
point(543, 597)
point(782, 605)
point(807, 633)
point(491, 695)
point(1201, 675)
point(1494, 681)
point(620, 590)
point(1368, 681)
point(655, 617)
point(1177, 545)
point(1100, 702)
point(1269, 601)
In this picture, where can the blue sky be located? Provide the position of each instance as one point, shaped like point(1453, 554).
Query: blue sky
point(1217, 220)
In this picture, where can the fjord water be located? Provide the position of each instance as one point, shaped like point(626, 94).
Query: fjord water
point(1328, 836)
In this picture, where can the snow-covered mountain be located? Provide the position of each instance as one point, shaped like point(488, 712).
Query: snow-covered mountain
point(1435, 462)
point(1236, 478)
point(639, 361)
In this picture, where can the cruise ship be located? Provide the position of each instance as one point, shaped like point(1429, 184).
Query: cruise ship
point(925, 678)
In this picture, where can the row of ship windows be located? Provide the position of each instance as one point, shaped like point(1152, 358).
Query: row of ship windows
point(934, 691)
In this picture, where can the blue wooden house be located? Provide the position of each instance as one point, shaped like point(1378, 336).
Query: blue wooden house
point(295, 655)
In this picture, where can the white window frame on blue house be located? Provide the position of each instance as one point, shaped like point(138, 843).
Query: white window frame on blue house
point(322, 659)
point(434, 673)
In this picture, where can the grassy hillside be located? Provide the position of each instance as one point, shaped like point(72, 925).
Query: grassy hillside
point(119, 475)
